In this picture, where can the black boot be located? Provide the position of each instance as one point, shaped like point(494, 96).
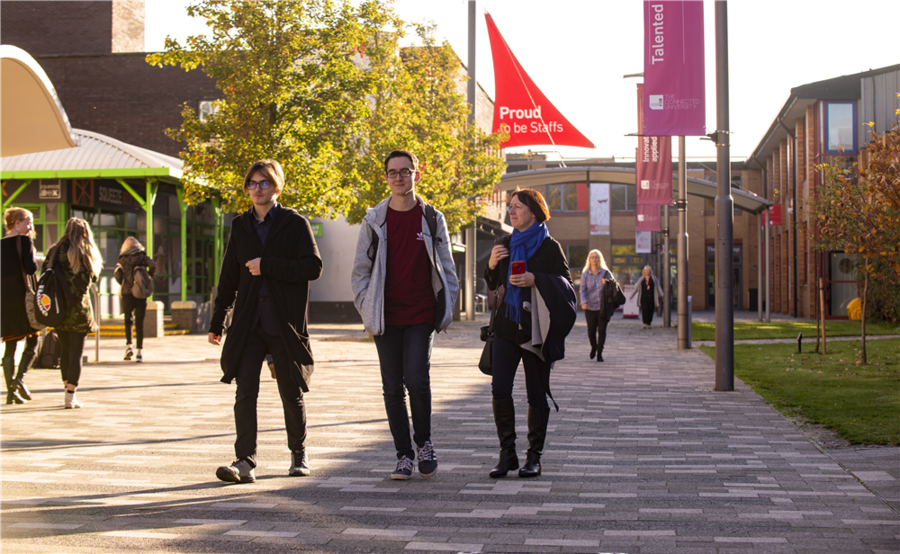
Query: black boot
point(600, 355)
point(537, 434)
point(9, 367)
point(24, 365)
point(505, 420)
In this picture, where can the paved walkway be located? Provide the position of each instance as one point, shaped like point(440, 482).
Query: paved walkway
point(643, 457)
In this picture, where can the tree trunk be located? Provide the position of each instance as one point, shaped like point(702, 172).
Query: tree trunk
point(863, 319)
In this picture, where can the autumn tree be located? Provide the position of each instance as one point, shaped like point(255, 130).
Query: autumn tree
point(294, 88)
point(421, 107)
point(324, 87)
point(858, 211)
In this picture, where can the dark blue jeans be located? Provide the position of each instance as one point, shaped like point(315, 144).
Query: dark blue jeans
point(258, 344)
point(505, 362)
point(405, 355)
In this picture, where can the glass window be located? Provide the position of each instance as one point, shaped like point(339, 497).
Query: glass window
point(622, 198)
point(553, 197)
point(840, 125)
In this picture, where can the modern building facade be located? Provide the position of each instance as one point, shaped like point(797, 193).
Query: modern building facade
point(825, 122)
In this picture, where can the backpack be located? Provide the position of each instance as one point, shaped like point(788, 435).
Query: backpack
point(53, 295)
point(143, 284)
point(619, 298)
point(49, 353)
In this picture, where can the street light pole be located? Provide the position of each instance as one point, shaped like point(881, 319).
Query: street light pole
point(684, 333)
point(472, 233)
point(724, 213)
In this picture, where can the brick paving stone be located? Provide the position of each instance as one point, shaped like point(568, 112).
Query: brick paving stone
point(643, 456)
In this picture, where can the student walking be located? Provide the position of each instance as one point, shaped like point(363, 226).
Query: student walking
point(531, 260)
point(593, 283)
point(649, 295)
point(17, 269)
point(270, 258)
point(133, 257)
point(77, 256)
point(404, 285)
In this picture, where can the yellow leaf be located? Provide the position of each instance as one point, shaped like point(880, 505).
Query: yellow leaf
point(871, 124)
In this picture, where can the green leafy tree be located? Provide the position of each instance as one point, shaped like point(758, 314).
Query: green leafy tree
point(858, 211)
point(294, 88)
point(421, 107)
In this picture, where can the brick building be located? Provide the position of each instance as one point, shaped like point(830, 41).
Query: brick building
point(821, 122)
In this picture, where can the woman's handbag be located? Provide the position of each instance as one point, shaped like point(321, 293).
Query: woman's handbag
point(487, 336)
point(29, 294)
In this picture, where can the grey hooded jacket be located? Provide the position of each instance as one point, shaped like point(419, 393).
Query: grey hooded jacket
point(368, 276)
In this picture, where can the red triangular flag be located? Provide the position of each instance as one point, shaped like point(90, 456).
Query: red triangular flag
point(521, 109)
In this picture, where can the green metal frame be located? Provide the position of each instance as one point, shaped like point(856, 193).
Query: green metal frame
point(183, 208)
point(219, 241)
point(12, 197)
point(134, 173)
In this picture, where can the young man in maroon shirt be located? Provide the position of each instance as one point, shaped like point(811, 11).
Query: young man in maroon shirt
point(405, 286)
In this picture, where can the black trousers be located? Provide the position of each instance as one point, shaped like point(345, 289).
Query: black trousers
point(71, 347)
point(647, 308)
point(139, 307)
point(596, 328)
point(505, 363)
point(259, 343)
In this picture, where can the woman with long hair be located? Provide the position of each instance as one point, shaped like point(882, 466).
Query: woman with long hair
point(531, 255)
point(593, 282)
point(649, 295)
point(133, 257)
point(17, 250)
point(77, 256)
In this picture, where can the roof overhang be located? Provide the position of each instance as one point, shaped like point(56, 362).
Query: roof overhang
point(32, 118)
point(96, 157)
point(743, 200)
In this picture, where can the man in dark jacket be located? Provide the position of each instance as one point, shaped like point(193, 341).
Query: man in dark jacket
point(270, 258)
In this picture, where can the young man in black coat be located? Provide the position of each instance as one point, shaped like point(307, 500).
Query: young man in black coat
point(270, 258)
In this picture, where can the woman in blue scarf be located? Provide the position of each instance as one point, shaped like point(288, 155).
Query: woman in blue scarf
point(532, 246)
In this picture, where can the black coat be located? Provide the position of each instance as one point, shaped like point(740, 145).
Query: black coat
point(124, 274)
point(13, 319)
point(290, 260)
point(549, 258)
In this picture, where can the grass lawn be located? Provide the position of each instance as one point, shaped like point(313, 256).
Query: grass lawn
point(790, 329)
point(861, 403)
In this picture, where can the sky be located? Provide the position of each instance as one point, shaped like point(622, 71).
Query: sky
point(577, 52)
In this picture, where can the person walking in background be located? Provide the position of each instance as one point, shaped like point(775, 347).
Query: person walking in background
point(18, 265)
point(649, 293)
point(593, 283)
point(531, 258)
point(405, 286)
point(77, 256)
point(133, 257)
point(270, 258)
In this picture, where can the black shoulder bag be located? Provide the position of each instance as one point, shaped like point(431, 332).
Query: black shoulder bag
point(487, 336)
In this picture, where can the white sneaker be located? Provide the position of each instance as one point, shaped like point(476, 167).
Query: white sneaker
point(71, 402)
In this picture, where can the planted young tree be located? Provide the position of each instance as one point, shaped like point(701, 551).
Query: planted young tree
point(421, 107)
point(294, 88)
point(858, 211)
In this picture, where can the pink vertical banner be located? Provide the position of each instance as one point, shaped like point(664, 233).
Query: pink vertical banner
point(653, 164)
point(674, 74)
point(647, 218)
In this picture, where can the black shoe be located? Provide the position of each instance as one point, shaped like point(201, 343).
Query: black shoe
point(22, 390)
point(599, 356)
point(532, 467)
point(299, 464)
point(593, 352)
point(427, 460)
point(12, 397)
point(505, 420)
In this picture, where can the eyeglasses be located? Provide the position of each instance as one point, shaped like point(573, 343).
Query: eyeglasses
point(392, 174)
point(251, 185)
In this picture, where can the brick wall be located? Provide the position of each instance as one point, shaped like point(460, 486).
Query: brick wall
point(48, 28)
point(121, 96)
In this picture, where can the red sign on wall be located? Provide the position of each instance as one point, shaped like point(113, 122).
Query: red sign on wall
point(521, 110)
point(775, 215)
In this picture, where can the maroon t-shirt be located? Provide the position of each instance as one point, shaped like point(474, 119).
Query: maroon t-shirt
point(408, 294)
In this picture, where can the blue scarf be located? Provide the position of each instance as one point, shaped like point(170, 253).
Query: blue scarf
point(522, 247)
